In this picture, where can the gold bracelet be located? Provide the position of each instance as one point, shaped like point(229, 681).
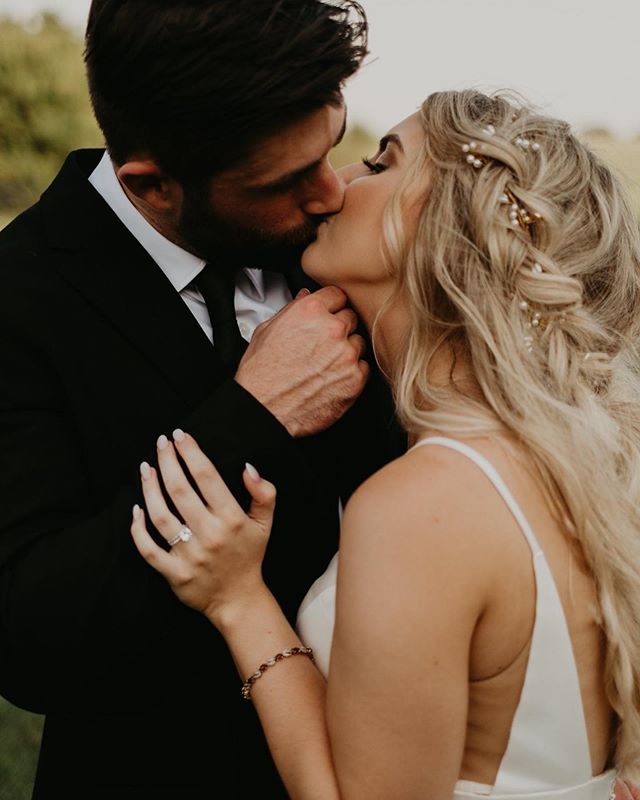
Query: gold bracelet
point(292, 651)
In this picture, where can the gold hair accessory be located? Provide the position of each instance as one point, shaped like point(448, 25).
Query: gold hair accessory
point(471, 148)
point(519, 215)
point(536, 323)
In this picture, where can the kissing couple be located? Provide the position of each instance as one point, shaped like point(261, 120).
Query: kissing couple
point(423, 361)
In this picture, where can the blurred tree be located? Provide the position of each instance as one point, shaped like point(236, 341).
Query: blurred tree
point(598, 132)
point(44, 106)
point(358, 142)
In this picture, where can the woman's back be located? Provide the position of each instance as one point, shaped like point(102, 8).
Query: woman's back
point(501, 641)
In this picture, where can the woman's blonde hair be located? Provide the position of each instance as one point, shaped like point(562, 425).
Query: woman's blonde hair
point(551, 346)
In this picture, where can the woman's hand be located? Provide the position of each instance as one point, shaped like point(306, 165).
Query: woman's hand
point(626, 790)
point(219, 568)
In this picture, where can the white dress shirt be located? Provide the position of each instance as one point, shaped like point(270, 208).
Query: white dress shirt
point(259, 295)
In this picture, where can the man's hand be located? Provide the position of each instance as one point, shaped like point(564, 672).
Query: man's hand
point(305, 364)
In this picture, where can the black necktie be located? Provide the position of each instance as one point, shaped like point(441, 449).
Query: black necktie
point(218, 285)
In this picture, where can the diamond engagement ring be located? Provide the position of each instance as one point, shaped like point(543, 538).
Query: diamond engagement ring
point(183, 535)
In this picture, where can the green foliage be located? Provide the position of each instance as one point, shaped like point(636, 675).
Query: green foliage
point(44, 106)
point(623, 156)
point(358, 142)
point(19, 744)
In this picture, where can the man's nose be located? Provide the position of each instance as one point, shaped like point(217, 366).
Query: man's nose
point(328, 193)
point(350, 172)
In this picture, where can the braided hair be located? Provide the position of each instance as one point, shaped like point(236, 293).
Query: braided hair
point(528, 258)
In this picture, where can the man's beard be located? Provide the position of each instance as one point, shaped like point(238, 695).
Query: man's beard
point(207, 234)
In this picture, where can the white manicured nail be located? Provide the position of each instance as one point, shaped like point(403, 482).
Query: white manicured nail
point(178, 435)
point(253, 472)
point(136, 511)
point(162, 442)
point(145, 470)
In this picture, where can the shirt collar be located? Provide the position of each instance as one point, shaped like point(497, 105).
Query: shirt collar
point(180, 266)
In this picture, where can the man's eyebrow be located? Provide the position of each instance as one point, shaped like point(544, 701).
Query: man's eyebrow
point(391, 138)
point(290, 176)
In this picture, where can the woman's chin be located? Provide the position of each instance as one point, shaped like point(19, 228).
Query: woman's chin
point(312, 264)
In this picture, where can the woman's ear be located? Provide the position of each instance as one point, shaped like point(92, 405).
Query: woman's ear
point(148, 185)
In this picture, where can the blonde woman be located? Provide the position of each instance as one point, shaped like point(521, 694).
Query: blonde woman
point(487, 593)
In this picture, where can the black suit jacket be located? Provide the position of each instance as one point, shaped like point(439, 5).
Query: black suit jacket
point(98, 356)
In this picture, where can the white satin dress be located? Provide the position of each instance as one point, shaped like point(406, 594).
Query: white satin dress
point(548, 751)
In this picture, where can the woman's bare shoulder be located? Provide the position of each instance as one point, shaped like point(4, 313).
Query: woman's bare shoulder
point(435, 507)
point(427, 486)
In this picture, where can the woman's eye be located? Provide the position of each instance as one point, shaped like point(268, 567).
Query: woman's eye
point(376, 168)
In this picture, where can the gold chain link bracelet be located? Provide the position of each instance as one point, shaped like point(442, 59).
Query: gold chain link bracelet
point(292, 651)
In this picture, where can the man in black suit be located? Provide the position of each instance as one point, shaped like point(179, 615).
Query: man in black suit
point(218, 116)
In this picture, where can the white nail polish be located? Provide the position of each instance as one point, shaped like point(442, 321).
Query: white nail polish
point(178, 435)
point(162, 442)
point(253, 472)
point(145, 470)
point(136, 511)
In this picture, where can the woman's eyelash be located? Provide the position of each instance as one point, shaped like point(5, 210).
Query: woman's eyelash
point(375, 168)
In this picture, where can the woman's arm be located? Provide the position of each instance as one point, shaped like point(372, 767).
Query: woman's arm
point(410, 592)
point(218, 572)
point(408, 601)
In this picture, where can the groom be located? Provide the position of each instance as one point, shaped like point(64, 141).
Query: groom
point(130, 296)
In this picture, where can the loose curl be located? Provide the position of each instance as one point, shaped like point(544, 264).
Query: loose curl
point(574, 400)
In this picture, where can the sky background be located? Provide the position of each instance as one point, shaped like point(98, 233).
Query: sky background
point(576, 59)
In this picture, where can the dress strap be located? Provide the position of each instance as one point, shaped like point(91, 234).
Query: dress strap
point(491, 473)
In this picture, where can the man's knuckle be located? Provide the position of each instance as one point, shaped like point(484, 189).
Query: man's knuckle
point(337, 329)
point(313, 306)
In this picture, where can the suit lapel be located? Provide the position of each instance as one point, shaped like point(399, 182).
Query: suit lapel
point(99, 256)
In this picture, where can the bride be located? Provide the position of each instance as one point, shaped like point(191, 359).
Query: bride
point(478, 635)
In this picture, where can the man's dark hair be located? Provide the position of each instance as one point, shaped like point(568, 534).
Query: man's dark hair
point(198, 83)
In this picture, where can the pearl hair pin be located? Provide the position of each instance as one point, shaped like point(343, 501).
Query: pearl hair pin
point(527, 144)
point(536, 323)
point(471, 148)
point(472, 158)
point(519, 216)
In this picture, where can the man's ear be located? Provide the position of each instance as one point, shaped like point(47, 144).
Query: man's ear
point(149, 185)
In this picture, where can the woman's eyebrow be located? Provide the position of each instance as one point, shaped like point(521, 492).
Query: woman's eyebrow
point(391, 138)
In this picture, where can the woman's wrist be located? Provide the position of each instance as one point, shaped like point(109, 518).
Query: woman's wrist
point(232, 617)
